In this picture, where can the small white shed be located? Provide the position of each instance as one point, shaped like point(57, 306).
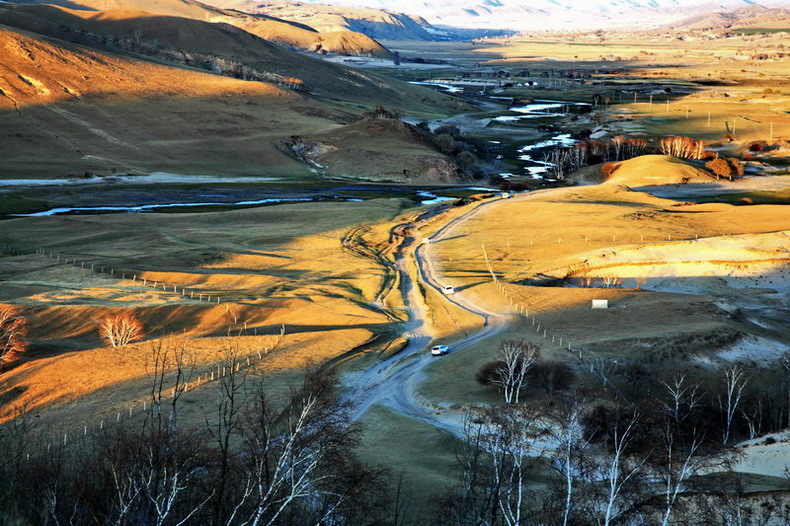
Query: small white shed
point(600, 304)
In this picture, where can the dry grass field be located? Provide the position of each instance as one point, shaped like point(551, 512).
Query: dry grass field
point(274, 267)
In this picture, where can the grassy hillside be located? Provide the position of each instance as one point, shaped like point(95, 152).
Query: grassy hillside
point(181, 40)
point(287, 33)
point(384, 150)
point(328, 18)
point(67, 108)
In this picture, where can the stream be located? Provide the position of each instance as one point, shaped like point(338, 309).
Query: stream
point(164, 192)
point(124, 198)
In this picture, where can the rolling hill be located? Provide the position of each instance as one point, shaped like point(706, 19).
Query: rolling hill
point(751, 16)
point(69, 108)
point(297, 36)
point(376, 23)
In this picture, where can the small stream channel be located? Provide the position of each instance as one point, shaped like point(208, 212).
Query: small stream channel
point(121, 198)
point(173, 193)
point(518, 158)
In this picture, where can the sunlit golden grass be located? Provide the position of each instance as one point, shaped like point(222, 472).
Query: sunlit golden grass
point(275, 269)
point(594, 231)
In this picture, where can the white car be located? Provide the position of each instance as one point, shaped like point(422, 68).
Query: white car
point(448, 289)
point(439, 350)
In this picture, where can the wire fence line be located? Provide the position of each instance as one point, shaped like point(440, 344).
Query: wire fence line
point(129, 409)
point(599, 366)
point(121, 274)
point(148, 407)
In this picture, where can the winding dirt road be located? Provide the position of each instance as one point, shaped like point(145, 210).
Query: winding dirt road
point(392, 382)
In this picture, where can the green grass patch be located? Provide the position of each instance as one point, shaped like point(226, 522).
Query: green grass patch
point(760, 30)
point(17, 204)
point(424, 455)
point(778, 197)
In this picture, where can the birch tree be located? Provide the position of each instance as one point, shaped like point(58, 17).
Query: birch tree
point(680, 463)
point(570, 443)
point(734, 383)
point(620, 469)
point(515, 360)
point(682, 397)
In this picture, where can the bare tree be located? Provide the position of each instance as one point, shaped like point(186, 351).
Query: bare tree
point(120, 329)
point(516, 358)
point(13, 333)
point(299, 456)
point(683, 398)
point(493, 488)
point(620, 469)
point(169, 368)
point(679, 466)
point(511, 445)
point(223, 428)
point(785, 361)
point(568, 455)
point(734, 383)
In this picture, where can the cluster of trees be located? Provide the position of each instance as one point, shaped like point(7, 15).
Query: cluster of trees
point(682, 147)
point(115, 330)
point(449, 139)
point(725, 167)
point(589, 152)
point(257, 459)
point(518, 366)
point(220, 65)
point(650, 461)
point(651, 448)
point(565, 160)
point(380, 112)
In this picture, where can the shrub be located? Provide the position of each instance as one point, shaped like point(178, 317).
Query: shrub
point(446, 143)
point(745, 201)
point(13, 333)
point(450, 129)
point(735, 165)
point(552, 376)
point(755, 147)
point(467, 158)
point(120, 329)
point(380, 112)
point(486, 374)
point(608, 169)
point(720, 168)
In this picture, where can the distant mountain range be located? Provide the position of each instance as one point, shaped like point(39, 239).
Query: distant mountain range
point(435, 16)
point(751, 16)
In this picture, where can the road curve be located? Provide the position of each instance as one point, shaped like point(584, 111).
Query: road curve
point(392, 382)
